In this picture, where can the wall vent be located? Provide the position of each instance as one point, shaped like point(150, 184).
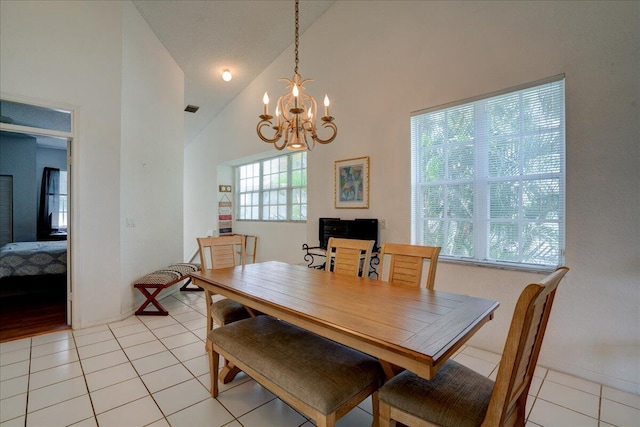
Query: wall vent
point(191, 108)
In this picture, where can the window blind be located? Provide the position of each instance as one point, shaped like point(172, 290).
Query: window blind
point(488, 177)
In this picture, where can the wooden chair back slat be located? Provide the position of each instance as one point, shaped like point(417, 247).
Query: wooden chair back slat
point(251, 247)
point(406, 263)
point(521, 351)
point(350, 256)
point(222, 251)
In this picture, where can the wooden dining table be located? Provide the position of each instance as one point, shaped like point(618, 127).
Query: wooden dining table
point(405, 327)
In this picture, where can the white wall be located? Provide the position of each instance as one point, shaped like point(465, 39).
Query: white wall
point(151, 161)
point(70, 54)
point(200, 187)
point(379, 61)
point(18, 158)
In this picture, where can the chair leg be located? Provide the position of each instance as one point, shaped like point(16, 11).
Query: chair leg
point(518, 416)
point(328, 420)
point(375, 406)
point(229, 372)
point(207, 297)
point(385, 414)
point(214, 360)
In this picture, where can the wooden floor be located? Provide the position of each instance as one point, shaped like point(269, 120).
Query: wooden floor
point(29, 314)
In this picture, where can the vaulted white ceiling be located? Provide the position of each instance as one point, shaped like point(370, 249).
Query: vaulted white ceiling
point(204, 37)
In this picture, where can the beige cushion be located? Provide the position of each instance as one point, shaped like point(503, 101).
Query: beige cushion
point(228, 311)
point(167, 275)
point(456, 397)
point(319, 372)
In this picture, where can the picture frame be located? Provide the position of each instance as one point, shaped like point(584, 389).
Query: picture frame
point(351, 183)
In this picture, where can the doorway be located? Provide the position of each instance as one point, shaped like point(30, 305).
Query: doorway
point(35, 282)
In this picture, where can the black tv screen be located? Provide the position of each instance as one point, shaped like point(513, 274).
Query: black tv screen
point(363, 229)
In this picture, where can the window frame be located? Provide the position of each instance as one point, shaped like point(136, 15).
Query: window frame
point(481, 183)
point(63, 203)
point(261, 190)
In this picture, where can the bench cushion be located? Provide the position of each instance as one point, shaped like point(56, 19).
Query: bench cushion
point(318, 371)
point(168, 275)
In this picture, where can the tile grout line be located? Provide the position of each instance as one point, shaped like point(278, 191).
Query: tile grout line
point(84, 377)
point(26, 406)
point(181, 362)
point(210, 397)
point(164, 416)
point(567, 408)
point(236, 419)
point(575, 388)
point(31, 345)
point(600, 407)
point(535, 398)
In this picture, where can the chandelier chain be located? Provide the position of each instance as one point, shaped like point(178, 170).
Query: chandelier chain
point(295, 70)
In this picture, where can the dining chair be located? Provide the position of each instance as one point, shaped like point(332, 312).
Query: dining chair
point(251, 246)
point(406, 262)
point(349, 256)
point(222, 253)
point(460, 397)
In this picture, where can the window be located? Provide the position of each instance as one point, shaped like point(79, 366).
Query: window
point(62, 203)
point(488, 177)
point(273, 189)
point(53, 209)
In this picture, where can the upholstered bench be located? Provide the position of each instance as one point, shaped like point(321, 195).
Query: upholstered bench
point(318, 377)
point(162, 279)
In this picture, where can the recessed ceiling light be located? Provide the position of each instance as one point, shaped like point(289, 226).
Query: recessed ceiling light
point(226, 75)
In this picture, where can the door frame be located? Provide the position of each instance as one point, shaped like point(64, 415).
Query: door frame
point(70, 137)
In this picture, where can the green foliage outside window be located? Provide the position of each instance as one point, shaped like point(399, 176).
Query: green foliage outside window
point(489, 178)
point(273, 189)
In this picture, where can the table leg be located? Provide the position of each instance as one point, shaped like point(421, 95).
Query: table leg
point(390, 370)
point(228, 372)
point(186, 287)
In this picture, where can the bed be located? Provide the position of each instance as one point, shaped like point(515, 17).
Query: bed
point(20, 259)
point(33, 287)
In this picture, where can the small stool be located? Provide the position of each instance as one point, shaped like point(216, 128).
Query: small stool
point(162, 279)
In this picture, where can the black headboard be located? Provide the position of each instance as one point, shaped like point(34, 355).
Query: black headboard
point(364, 229)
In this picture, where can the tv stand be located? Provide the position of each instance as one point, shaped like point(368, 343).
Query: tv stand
point(362, 229)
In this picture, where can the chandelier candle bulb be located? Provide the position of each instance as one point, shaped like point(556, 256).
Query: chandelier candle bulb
point(265, 99)
point(326, 106)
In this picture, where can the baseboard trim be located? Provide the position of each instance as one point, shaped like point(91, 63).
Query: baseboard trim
point(605, 380)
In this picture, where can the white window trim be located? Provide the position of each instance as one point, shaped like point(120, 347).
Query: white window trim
point(261, 190)
point(480, 207)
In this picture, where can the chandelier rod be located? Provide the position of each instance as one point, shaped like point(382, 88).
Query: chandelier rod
point(295, 70)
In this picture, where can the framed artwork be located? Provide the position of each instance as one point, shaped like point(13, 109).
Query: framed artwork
point(352, 183)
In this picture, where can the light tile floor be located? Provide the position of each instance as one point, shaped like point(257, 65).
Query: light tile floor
point(153, 371)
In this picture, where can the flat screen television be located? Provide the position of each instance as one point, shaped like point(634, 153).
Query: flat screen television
point(364, 229)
